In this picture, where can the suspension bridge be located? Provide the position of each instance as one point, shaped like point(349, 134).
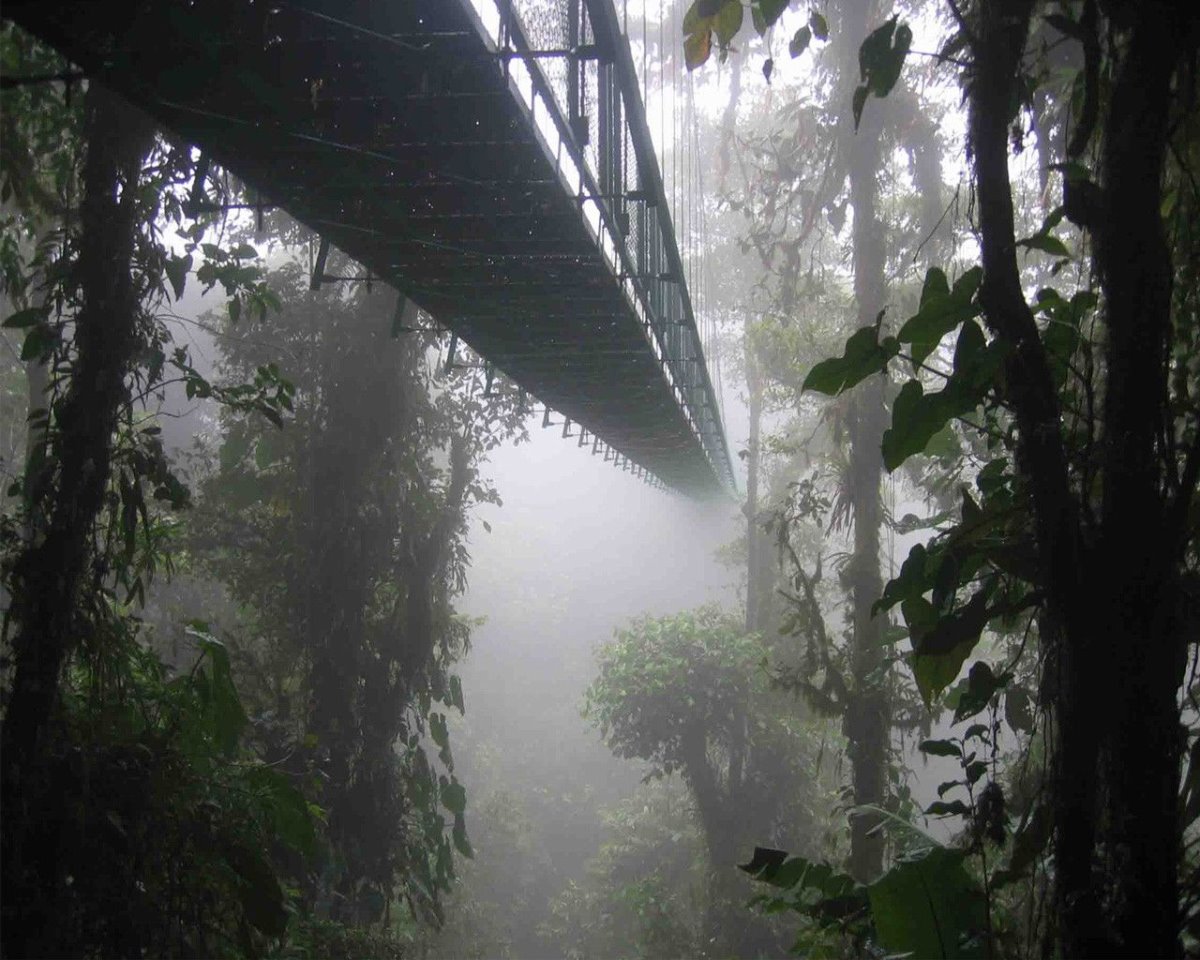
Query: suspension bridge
point(491, 159)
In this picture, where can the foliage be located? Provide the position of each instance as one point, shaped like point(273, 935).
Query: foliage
point(349, 529)
point(134, 820)
point(311, 938)
point(96, 516)
point(925, 905)
point(721, 20)
point(643, 894)
point(495, 897)
point(168, 831)
point(1076, 411)
point(663, 682)
point(690, 694)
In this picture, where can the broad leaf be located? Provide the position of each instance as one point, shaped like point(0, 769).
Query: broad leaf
point(864, 355)
point(911, 582)
point(880, 60)
point(918, 416)
point(940, 650)
point(1045, 243)
point(771, 10)
point(940, 748)
point(928, 907)
point(947, 808)
point(454, 797)
point(800, 42)
point(26, 318)
point(941, 310)
point(728, 21)
point(39, 342)
point(176, 269)
point(779, 869)
point(697, 47)
point(982, 685)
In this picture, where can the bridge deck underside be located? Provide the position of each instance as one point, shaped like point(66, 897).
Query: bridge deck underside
point(392, 130)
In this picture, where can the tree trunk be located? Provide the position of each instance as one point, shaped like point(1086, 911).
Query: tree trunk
point(1137, 567)
point(49, 573)
point(758, 567)
point(1116, 658)
point(867, 713)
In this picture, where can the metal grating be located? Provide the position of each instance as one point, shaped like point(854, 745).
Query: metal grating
point(489, 158)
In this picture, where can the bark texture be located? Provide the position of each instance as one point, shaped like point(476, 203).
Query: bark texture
point(867, 715)
point(1112, 586)
point(51, 572)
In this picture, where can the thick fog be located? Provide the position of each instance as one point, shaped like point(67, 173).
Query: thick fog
point(578, 549)
point(321, 636)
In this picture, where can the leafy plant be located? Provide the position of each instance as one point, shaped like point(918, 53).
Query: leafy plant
point(925, 905)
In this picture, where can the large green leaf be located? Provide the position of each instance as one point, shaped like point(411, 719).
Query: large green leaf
point(728, 21)
point(940, 748)
point(39, 342)
point(880, 60)
point(699, 15)
point(771, 10)
point(780, 870)
point(918, 416)
point(289, 811)
point(259, 891)
point(697, 47)
point(1046, 244)
point(910, 582)
point(864, 355)
point(941, 310)
point(29, 317)
point(827, 896)
point(176, 269)
point(933, 673)
point(454, 797)
point(929, 907)
point(800, 42)
point(702, 20)
point(982, 685)
point(223, 713)
point(950, 630)
point(942, 644)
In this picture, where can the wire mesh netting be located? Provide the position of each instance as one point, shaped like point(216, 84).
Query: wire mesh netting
point(648, 216)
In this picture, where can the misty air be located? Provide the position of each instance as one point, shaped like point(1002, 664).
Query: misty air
point(599, 479)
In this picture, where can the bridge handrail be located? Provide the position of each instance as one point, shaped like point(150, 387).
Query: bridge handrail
point(603, 14)
point(611, 44)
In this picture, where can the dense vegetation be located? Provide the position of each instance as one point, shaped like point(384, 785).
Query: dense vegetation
point(952, 714)
point(226, 693)
point(1049, 390)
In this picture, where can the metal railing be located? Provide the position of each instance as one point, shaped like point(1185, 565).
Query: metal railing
point(570, 62)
